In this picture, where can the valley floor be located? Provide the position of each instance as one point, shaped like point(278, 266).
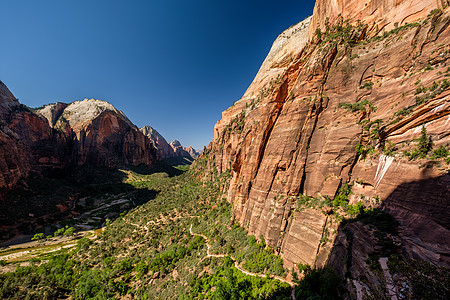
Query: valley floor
point(181, 244)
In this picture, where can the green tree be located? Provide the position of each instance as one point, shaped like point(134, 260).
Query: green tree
point(69, 231)
point(425, 143)
point(38, 236)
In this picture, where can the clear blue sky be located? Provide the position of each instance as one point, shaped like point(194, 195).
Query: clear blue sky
point(174, 65)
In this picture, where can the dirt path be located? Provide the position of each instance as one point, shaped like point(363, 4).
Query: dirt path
point(390, 285)
point(208, 254)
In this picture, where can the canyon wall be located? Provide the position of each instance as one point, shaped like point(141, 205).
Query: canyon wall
point(60, 135)
point(345, 108)
point(380, 15)
point(166, 150)
point(13, 160)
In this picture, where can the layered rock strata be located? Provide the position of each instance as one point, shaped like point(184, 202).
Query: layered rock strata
point(178, 150)
point(13, 160)
point(192, 152)
point(344, 107)
point(61, 135)
point(164, 149)
point(103, 135)
point(380, 15)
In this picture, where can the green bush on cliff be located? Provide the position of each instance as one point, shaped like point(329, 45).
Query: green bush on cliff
point(341, 199)
point(358, 106)
point(440, 152)
point(367, 85)
point(424, 146)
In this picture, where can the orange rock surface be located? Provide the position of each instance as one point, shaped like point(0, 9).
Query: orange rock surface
point(312, 104)
point(60, 135)
point(381, 15)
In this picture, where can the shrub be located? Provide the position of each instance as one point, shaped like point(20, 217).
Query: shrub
point(69, 231)
point(440, 152)
point(38, 236)
point(367, 85)
point(341, 199)
point(358, 106)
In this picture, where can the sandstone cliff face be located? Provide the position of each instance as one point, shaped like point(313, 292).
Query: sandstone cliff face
point(164, 149)
point(104, 136)
point(178, 150)
point(192, 152)
point(52, 112)
point(13, 161)
point(380, 15)
point(60, 135)
point(343, 108)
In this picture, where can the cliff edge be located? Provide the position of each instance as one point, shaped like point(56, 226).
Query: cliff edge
point(351, 126)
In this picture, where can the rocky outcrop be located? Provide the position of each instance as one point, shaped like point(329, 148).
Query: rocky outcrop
point(380, 15)
point(192, 152)
point(60, 135)
point(345, 107)
point(104, 135)
point(164, 149)
point(13, 160)
point(178, 150)
point(52, 112)
point(28, 142)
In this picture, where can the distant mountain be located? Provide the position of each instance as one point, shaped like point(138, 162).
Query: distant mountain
point(103, 135)
point(178, 149)
point(164, 149)
point(60, 135)
point(192, 152)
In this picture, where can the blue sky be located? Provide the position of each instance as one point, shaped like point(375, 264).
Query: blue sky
point(174, 65)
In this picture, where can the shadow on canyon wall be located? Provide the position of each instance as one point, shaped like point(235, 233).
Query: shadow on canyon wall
point(63, 194)
point(411, 232)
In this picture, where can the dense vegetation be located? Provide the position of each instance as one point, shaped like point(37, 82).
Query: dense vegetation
point(149, 252)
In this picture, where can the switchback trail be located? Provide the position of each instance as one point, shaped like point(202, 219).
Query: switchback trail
point(208, 254)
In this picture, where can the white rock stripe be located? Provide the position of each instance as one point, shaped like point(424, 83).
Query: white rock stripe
point(383, 165)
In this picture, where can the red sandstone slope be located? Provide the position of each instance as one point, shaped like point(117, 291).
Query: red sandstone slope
point(344, 107)
point(13, 161)
point(178, 150)
point(164, 149)
point(380, 15)
point(104, 136)
point(61, 135)
point(192, 152)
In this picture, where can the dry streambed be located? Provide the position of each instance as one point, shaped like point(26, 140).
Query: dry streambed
point(21, 253)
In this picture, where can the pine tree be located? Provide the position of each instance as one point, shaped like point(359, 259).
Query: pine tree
point(425, 143)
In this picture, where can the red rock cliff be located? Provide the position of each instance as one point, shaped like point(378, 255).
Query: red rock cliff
point(344, 108)
point(378, 14)
point(104, 136)
point(61, 135)
point(13, 160)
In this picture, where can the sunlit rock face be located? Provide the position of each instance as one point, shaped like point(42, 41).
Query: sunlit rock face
point(178, 150)
point(164, 149)
point(105, 136)
point(61, 135)
point(319, 113)
point(380, 15)
point(192, 152)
